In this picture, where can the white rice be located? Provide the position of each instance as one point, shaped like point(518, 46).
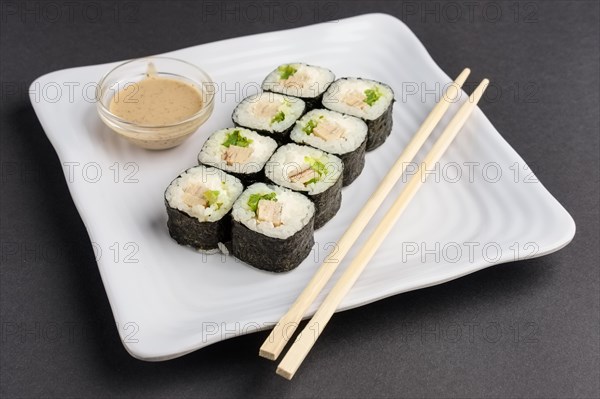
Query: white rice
point(228, 186)
point(308, 81)
point(333, 97)
point(290, 158)
point(245, 112)
point(213, 150)
point(224, 250)
point(211, 251)
point(296, 211)
point(355, 131)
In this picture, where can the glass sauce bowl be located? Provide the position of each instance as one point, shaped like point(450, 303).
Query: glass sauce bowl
point(154, 137)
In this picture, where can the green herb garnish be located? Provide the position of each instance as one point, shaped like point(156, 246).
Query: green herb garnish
point(372, 95)
point(309, 127)
point(285, 71)
point(255, 198)
point(211, 197)
point(279, 117)
point(236, 139)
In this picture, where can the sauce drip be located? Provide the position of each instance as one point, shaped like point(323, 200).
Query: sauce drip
point(156, 101)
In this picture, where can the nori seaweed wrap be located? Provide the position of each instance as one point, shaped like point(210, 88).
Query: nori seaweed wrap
point(272, 228)
point(269, 114)
point(307, 82)
point(238, 151)
point(190, 231)
point(366, 99)
point(335, 133)
point(198, 203)
point(312, 172)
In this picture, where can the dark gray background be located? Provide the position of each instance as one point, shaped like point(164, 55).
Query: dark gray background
point(58, 333)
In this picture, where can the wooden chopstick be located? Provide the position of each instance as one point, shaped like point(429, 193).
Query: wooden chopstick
point(307, 338)
point(286, 326)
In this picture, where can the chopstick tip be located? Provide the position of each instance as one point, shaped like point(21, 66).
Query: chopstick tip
point(460, 80)
point(266, 354)
point(284, 373)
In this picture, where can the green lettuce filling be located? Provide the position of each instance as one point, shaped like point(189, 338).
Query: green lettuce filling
point(372, 95)
point(255, 198)
point(211, 197)
point(309, 127)
point(311, 181)
point(285, 71)
point(318, 167)
point(279, 117)
point(236, 139)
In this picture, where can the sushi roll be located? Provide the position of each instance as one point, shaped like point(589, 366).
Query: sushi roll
point(307, 82)
point(367, 99)
point(238, 151)
point(312, 172)
point(198, 202)
point(335, 133)
point(272, 227)
point(270, 114)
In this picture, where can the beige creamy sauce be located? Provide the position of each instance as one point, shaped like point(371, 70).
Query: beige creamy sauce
point(156, 101)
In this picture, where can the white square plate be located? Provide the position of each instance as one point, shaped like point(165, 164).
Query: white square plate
point(169, 300)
